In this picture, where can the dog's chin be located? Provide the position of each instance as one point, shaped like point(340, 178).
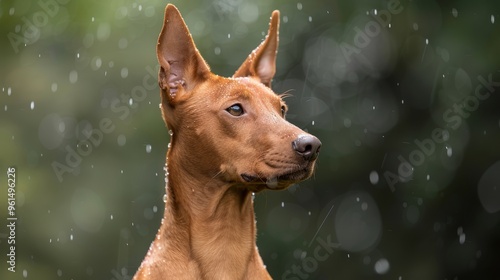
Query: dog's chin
point(278, 181)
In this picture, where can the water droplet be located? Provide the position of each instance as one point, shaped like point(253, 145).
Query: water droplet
point(71, 237)
point(461, 238)
point(93, 19)
point(32, 105)
point(25, 273)
point(299, 6)
point(155, 209)
point(124, 72)
point(11, 11)
point(449, 151)
point(59, 272)
point(111, 217)
point(312, 122)
point(375, 12)
point(9, 91)
point(428, 177)
point(130, 101)
point(217, 50)
point(492, 18)
point(140, 8)
point(53, 87)
point(122, 140)
point(454, 12)
point(310, 19)
point(170, 132)
point(73, 76)
point(364, 206)
point(282, 204)
point(382, 266)
point(374, 177)
point(229, 35)
point(415, 26)
point(426, 41)
point(165, 198)
point(148, 148)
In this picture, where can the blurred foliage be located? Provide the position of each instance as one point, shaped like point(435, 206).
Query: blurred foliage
point(372, 79)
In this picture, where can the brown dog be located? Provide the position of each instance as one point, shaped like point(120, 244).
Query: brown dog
point(229, 139)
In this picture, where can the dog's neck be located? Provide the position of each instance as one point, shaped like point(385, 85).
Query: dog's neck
point(208, 222)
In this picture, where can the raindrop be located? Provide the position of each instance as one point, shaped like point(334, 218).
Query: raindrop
point(59, 272)
point(285, 19)
point(364, 206)
point(131, 101)
point(374, 177)
point(122, 139)
point(71, 237)
point(124, 72)
point(382, 266)
point(217, 50)
point(428, 177)
point(32, 105)
point(426, 41)
point(148, 148)
point(140, 8)
point(310, 19)
point(299, 6)
point(111, 217)
point(155, 209)
point(25, 273)
point(375, 12)
point(93, 19)
point(78, 55)
point(282, 204)
point(170, 132)
point(449, 151)
point(9, 91)
point(415, 26)
point(53, 87)
point(165, 198)
point(11, 11)
point(454, 12)
point(229, 35)
point(390, 25)
point(5, 107)
point(492, 19)
point(312, 122)
point(73, 76)
point(461, 238)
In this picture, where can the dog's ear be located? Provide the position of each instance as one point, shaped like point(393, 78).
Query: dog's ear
point(261, 63)
point(182, 65)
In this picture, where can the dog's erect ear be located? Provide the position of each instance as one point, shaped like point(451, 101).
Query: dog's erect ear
point(182, 66)
point(261, 63)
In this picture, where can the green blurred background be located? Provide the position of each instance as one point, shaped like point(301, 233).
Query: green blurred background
point(374, 80)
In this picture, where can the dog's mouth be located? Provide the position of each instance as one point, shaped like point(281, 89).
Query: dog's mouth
point(280, 181)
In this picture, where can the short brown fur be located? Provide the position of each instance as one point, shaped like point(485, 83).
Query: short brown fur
point(219, 157)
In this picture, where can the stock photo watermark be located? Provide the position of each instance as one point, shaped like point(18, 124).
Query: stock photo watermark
point(224, 7)
point(362, 37)
point(309, 264)
point(11, 218)
point(453, 117)
point(93, 137)
point(29, 31)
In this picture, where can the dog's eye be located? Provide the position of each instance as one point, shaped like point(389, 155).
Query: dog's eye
point(235, 110)
point(283, 111)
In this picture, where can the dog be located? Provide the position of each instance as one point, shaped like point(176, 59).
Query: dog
point(229, 139)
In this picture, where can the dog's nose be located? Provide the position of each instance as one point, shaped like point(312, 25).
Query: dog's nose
point(307, 146)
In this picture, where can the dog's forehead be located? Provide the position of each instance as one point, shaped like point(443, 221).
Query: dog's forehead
point(252, 87)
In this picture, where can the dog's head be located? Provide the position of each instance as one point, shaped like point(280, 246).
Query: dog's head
point(231, 129)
